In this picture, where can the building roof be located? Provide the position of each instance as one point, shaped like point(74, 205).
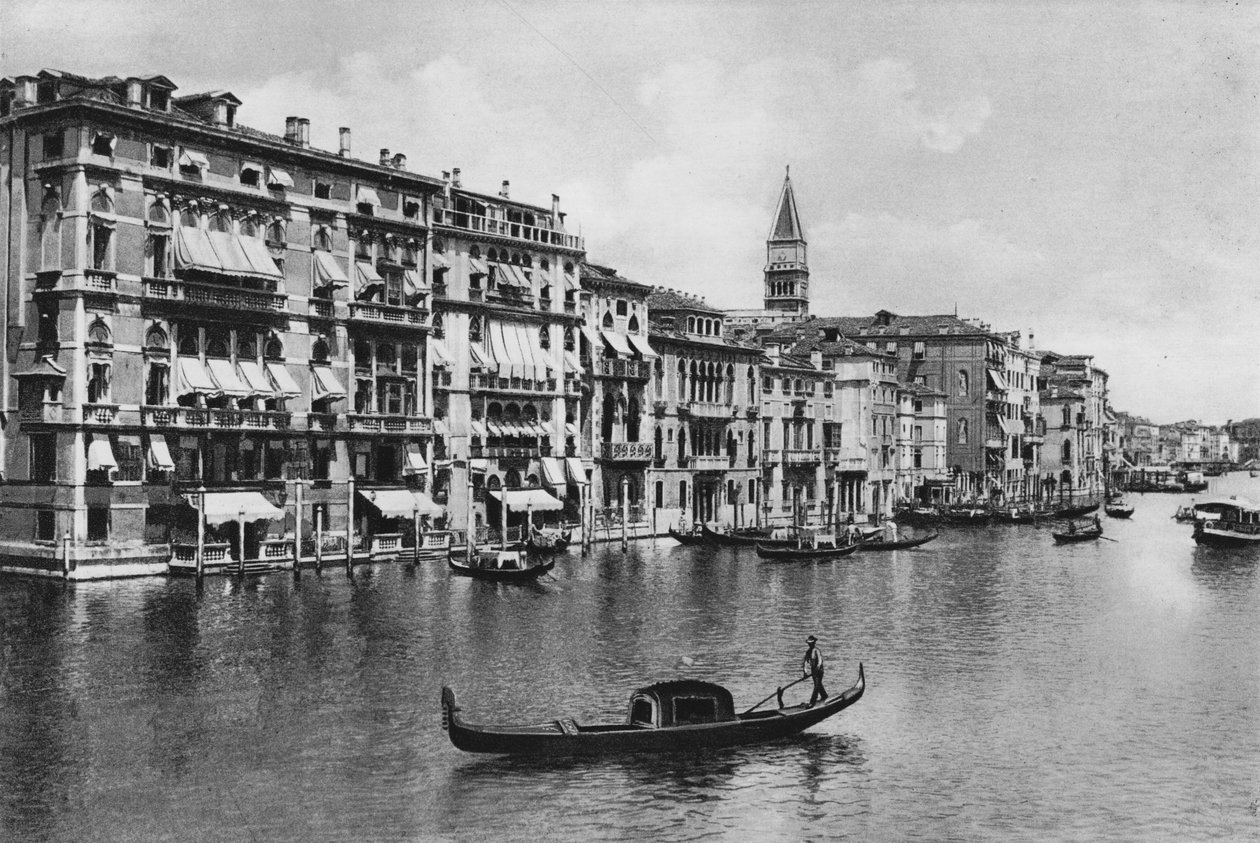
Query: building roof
point(892, 323)
point(787, 222)
point(597, 274)
point(663, 299)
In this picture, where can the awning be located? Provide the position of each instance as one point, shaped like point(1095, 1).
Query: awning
point(222, 507)
point(617, 342)
point(224, 374)
point(494, 428)
point(439, 262)
point(256, 379)
point(482, 358)
point(100, 456)
point(411, 282)
point(325, 384)
point(286, 386)
point(231, 254)
point(400, 503)
point(553, 471)
point(193, 379)
point(506, 347)
point(478, 427)
point(279, 178)
point(641, 345)
point(577, 473)
point(542, 356)
point(477, 266)
point(190, 158)
point(414, 462)
point(571, 363)
point(571, 429)
point(996, 378)
point(479, 466)
point(509, 275)
point(438, 353)
point(592, 337)
point(368, 278)
point(160, 454)
point(259, 257)
point(193, 250)
point(1012, 427)
point(535, 499)
point(364, 195)
point(441, 428)
point(328, 271)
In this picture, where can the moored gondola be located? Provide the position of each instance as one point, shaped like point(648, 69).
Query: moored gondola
point(507, 565)
point(689, 539)
point(1075, 511)
point(1118, 509)
point(1073, 534)
point(735, 538)
point(680, 715)
point(900, 544)
point(812, 547)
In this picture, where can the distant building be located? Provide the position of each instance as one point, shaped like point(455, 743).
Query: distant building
point(786, 272)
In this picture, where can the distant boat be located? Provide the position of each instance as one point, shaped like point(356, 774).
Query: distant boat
point(901, 544)
point(1118, 509)
point(812, 545)
point(744, 536)
point(1085, 534)
point(678, 716)
point(1075, 511)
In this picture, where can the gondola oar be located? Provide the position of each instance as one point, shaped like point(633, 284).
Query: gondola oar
point(777, 692)
point(1104, 538)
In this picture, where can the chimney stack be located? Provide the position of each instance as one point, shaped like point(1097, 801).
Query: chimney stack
point(455, 177)
point(400, 161)
point(291, 130)
point(503, 191)
point(304, 132)
point(384, 156)
point(135, 93)
point(343, 145)
point(555, 209)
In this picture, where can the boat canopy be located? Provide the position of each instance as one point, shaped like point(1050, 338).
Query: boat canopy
point(681, 702)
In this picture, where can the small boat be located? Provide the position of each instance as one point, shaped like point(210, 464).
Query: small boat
point(1084, 534)
point(1117, 509)
point(900, 544)
point(510, 564)
point(810, 546)
point(548, 540)
point(735, 538)
point(1185, 514)
point(967, 515)
point(689, 539)
point(1021, 514)
point(1068, 512)
point(679, 715)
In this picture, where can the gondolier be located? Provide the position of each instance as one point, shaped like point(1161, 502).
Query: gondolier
point(812, 665)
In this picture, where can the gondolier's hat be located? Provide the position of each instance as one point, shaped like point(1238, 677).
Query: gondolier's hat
point(811, 640)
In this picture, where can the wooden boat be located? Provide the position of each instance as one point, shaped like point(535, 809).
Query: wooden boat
point(690, 539)
point(811, 546)
point(680, 715)
point(1084, 534)
point(1118, 509)
point(974, 515)
point(1229, 522)
point(1185, 514)
point(550, 540)
point(900, 544)
point(511, 564)
point(1021, 515)
point(1075, 511)
point(735, 538)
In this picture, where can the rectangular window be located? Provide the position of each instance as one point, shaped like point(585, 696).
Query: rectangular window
point(98, 523)
point(159, 99)
point(250, 177)
point(394, 288)
point(101, 235)
point(98, 383)
point(103, 144)
point(919, 350)
point(45, 525)
point(621, 307)
point(54, 145)
point(323, 190)
point(130, 458)
point(160, 156)
point(411, 208)
point(43, 457)
point(159, 255)
point(47, 333)
point(918, 458)
point(321, 459)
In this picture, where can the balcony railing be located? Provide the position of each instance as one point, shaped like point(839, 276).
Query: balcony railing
point(481, 380)
point(845, 459)
point(321, 421)
point(99, 281)
point(388, 313)
point(100, 413)
point(211, 295)
point(658, 407)
point(388, 423)
point(710, 410)
point(771, 456)
point(202, 417)
point(322, 308)
point(709, 463)
point(504, 228)
point(519, 452)
point(628, 451)
point(801, 456)
point(638, 369)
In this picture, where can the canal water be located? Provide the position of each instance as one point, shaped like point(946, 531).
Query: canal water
point(1016, 690)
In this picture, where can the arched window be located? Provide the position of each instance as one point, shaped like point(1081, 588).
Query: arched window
point(216, 345)
point(274, 349)
point(1067, 451)
point(633, 325)
point(103, 200)
point(189, 346)
point(439, 324)
point(322, 239)
point(159, 214)
point(156, 340)
point(608, 320)
point(691, 324)
point(385, 354)
point(682, 445)
point(1067, 416)
point(474, 328)
point(188, 218)
point(319, 350)
point(658, 450)
point(276, 234)
point(493, 483)
point(633, 412)
point(512, 479)
point(544, 337)
point(964, 382)
point(249, 227)
point(50, 231)
point(570, 339)
point(492, 254)
point(962, 431)
point(474, 252)
point(221, 222)
point(544, 265)
point(730, 384)
point(682, 380)
point(609, 417)
point(246, 345)
point(98, 334)
point(1065, 479)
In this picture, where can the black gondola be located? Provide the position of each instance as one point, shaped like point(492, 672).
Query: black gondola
point(1084, 534)
point(689, 539)
point(508, 565)
point(1118, 509)
point(682, 715)
point(735, 538)
point(900, 544)
point(808, 552)
point(1075, 511)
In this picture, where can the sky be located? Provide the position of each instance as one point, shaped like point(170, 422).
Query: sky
point(1086, 173)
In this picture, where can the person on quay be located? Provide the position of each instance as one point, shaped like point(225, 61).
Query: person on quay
point(812, 665)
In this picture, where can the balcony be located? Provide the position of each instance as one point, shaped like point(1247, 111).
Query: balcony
point(213, 296)
point(217, 419)
point(801, 456)
point(709, 463)
point(508, 452)
point(99, 281)
point(320, 308)
point(505, 228)
point(494, 382)
point(628, 451)
point(324, 422)
point(754, 412)
point(376, 423)
point(100, 413)
point(658, 408)
point(388, 314)
point(41, 412)
point(771, 456)
point(636, 369)
point(707, 410)
point(845, 459)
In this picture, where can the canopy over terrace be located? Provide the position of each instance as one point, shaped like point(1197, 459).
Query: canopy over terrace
point(521, 499)
point(222, 507)
point(401, 503)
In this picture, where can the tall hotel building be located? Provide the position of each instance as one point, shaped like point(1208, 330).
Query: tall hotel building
point(222, 342)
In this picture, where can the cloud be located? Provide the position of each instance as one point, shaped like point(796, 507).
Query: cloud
point(889, 86)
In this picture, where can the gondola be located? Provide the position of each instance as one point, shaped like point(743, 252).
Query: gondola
point(508, 565)
point(974, 515)
point(736, 538)
point(1118, 509)
point(806, 554)
point(681, 715)
point(1075, 511)
point(1085, 534)
point(901, 544)
point(549, 540)
point(689, 539)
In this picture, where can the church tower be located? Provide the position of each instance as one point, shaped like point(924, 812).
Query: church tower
point(787, 272)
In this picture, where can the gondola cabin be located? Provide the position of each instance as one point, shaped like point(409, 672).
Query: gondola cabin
point(681, 702)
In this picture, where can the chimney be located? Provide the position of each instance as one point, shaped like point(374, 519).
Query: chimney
point(25, 91)
point(384, 156)
point(343, 146)
point(400, 161)
point(555, 209)
point(304, 132)
point(135, 93)
point(291, 130)
point(503, 191)
point(455, 178)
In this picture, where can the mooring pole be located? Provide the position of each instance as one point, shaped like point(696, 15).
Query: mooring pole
point(319, 539)
point(625, 513)
point(350, 526)
point(297, 529)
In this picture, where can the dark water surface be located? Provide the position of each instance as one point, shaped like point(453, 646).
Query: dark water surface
point(1016, 690)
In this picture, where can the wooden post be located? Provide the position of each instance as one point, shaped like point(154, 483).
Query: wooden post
point(319, 539)
point(350, 526)
point(65, 556)
point(625, 513)
point(297, 528)
point(529, 521)
point(584, 517)
point(468, 535)
point(240, 540)
point(415, 529)
point(503, 518)
point(201, 533)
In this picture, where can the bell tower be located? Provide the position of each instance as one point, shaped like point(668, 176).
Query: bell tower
point(787, 271)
